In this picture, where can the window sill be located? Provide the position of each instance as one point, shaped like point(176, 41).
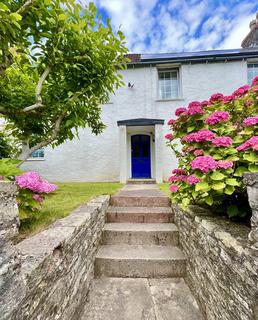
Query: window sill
point(167, 100)
point(35, 159)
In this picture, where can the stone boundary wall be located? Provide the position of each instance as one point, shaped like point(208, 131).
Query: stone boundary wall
point(56, 267)
point(222, 268)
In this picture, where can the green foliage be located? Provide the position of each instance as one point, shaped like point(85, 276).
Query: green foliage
point(58, 63)
point(8, 147)
point(8, 169)
point(220, 186)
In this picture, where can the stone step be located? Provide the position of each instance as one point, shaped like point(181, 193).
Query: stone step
point(140, 234)
point(141, 181)
point(139, 214)
point(138, 261)
point(140, 299)
point(140, 201)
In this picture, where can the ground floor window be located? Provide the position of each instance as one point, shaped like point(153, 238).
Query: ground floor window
point(252, 71)
point(39, 154)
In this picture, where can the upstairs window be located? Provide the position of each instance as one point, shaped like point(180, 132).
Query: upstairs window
point(39, 154)
point(252, 72)
point(168, 84)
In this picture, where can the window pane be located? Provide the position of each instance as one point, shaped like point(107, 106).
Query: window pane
point(38, 154)
point(168, 84)
point(252, 72)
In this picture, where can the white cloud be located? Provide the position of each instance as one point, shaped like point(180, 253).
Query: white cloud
point(180, 25)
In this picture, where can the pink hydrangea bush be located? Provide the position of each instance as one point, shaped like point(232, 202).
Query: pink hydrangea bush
point(219, 142)
point(32, 191)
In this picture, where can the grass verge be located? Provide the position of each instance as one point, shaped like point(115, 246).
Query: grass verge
point(62, 202)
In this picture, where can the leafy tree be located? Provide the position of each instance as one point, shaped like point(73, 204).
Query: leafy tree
point(58, 63)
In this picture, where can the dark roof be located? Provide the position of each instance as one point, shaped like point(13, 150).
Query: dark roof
point(139, 122)
point(198, 56)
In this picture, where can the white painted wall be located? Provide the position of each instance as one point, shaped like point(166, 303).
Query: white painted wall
point(97, 158)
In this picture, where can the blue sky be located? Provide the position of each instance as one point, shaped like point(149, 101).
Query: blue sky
point(153, 26)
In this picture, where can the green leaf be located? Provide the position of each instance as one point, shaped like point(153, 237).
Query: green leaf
point(15, 16)
point(229, 190)
point(233, 158)
point(232, 182)
point(218, 186)
point(232, 211)
point(217, 176)
point(3, 7)
point(209, 201)
point(185, 202)
point(240, 171)
point(251, 157)
point(202, 186)
point(253, 168)
point(61, 17)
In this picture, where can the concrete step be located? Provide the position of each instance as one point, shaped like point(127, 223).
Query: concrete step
point(141, 181)
point(140, 299)
point(140, 234)
point(138, 261)
point(139, 214)
point(140, 201)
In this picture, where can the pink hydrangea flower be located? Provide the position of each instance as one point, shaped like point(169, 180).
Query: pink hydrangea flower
point(180, 111)
point(250, 143)
point(198, 152)
point(194, 108)
point(204, 103)
point(193, 179)
point(188, 149)
point(169, 136)
point(251, 121)
point(171, 122)
point(227, 99)
point(241, 91)
point(204, 163)
point(216, 97)
point(32, 181)
point(173, 188)
point(217, 116)
point(200, 136)
point(222, 142)
point(225, 164)
point(255, 81)
point(179, 172)
point(38, 198)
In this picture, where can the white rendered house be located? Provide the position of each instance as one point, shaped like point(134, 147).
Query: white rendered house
point(133, 143)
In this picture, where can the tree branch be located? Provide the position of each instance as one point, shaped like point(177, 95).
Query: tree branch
point(56, 129)
point(25, 6)
point(38, 90)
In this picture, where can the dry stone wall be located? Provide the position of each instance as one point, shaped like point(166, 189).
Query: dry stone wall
point(53, 269)
point(222, 267)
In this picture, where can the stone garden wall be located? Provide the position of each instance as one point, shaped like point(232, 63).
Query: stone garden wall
point(48, 275)
point(222, 267)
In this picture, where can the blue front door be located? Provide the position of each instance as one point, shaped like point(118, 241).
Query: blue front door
point(141, 157)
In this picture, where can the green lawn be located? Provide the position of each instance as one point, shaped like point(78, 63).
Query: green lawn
point(165, 188)
point(62, 202)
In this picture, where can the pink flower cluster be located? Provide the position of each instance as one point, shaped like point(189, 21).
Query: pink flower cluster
point(32, 181)
point(204, 163)
point(204, 103)
point(171, 122)
point(179, 172)
point(222, 142)
point(198, 152)
point(250, 143)
point(217, 116)
point(241, 91)
point(224, 164)
point(180, 111)
point(194, 108)
point(228, 99)
point(193, 179)
point(200, 136)
point(216, 97)
point(251, 121)
point(188, 149)
point(173, 188)
point(255, 81)
point(169, 136)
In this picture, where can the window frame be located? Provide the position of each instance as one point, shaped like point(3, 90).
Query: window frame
point(31, 158)
point(255, 62)
point(176, 69)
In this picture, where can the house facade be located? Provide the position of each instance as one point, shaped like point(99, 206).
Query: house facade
point(133, 145)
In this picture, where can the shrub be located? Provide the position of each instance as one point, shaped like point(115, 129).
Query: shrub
point(32, 188)
point(219, 142)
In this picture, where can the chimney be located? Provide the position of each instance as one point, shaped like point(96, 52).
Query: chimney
point(251, 40)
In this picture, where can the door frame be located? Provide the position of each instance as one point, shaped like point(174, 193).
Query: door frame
point(129, 152)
